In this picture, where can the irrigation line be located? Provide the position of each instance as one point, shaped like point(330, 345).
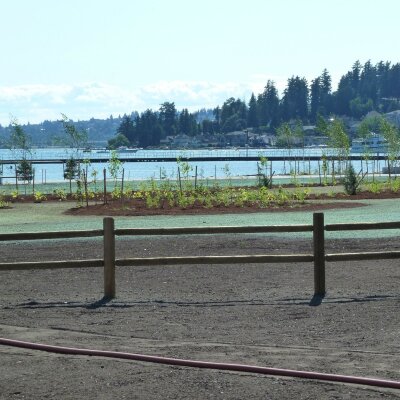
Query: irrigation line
point(205, 364)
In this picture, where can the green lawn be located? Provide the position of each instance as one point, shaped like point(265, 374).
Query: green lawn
point(49, 216)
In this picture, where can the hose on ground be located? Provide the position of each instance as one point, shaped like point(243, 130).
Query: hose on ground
point(205, 364)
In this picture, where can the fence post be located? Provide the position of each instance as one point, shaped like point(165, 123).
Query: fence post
point(109, 258)
point(319, 254)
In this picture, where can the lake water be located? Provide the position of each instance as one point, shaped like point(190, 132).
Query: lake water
point(147, 170)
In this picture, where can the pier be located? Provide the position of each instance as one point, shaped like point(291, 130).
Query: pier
point(196, 159)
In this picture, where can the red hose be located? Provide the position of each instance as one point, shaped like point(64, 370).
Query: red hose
point(205, 364)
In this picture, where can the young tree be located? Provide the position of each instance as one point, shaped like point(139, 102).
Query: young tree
point(285, 138)
point(71, 171)
point(350, 181)
point(76, 139)
point(338, 140)
point(392, 137)
point(20, 144)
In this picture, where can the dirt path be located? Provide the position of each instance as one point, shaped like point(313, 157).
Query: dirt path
point(252, 314)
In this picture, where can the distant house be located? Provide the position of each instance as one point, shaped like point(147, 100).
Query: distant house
point(263, 141)
point(309, 130)
point(184, 141)
point(393, 118)
point(181, 141)
point(237, 138)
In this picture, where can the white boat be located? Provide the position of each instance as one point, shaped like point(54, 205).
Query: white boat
point(372, 144)
point(124, 149)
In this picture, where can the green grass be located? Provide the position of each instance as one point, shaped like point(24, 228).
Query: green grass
point(49, 216)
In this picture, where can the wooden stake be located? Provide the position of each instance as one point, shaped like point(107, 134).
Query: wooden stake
point(122, 184)
point(33, 181)
point(105, 186)
point(180, 181)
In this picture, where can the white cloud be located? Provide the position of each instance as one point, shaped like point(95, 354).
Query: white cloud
point(35, 103)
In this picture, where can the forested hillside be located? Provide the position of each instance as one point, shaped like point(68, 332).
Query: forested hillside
point(365, 87)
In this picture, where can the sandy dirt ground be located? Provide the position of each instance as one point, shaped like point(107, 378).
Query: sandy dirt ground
point(250, 314)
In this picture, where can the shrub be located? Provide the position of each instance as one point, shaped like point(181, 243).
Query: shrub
point(350, 181)
point(39, 197)
point(60, 194)
point(3, 202)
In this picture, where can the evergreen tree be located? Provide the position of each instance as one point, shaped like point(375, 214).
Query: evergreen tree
point(315, 98)
point(207, 126)
point(233, 115)
point(368, 85)
point(127, 129)
point(148, 129)
point(168, 119)
point(268, 106)
point(252, 115)
point(295, 99)
point(187, 123)
point(355, 76)
point(217, 116)
point(344, 95)
point(326, 93)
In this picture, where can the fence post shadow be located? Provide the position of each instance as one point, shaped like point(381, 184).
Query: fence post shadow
point(99, 303)
point(316, 300)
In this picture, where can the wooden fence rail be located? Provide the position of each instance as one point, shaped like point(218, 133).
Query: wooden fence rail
point(50, 235)
point(109, 261)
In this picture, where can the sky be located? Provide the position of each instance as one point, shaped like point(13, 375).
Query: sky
point(96, 58)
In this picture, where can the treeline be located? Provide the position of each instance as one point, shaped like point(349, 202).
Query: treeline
point(362, 89)
point(52, 133)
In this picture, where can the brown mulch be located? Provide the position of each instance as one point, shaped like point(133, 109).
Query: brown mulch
point(137, 208)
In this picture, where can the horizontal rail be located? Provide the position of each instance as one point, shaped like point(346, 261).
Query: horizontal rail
point(213, 229)
point(214, 260)
point(376, 255)
point(250, 259)
point(51, 265)
point(362, 226)
point(49, 235)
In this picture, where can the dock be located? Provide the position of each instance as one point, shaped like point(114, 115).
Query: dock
point(193, 159)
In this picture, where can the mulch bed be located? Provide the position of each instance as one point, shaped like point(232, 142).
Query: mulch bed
point(137, 207)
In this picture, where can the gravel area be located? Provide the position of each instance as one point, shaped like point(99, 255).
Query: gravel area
point(251, 314)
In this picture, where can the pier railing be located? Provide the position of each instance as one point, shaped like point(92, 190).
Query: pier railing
point(109, 262)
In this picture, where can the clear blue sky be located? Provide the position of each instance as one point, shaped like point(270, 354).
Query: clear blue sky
point(93, 58)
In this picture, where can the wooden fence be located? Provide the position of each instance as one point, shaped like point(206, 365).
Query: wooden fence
point(109, 261)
